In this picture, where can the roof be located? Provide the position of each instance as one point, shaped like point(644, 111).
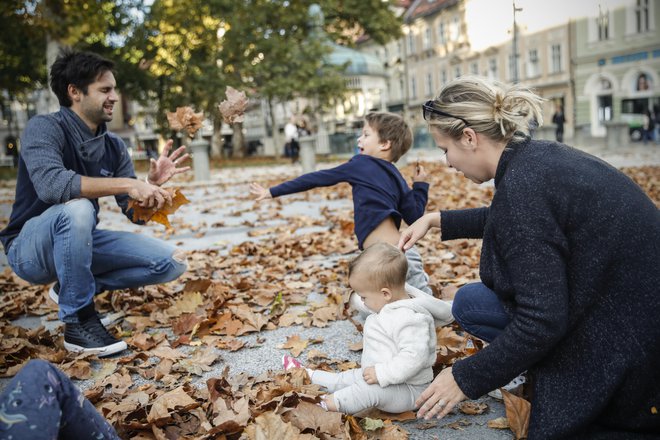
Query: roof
point(423, 8)
point(359, 63)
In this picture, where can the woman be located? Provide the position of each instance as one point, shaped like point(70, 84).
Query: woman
point(569, 287)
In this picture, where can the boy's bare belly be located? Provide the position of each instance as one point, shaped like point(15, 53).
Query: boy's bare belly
point(386, 232)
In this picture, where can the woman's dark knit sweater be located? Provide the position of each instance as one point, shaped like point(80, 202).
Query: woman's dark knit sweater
point(572, 248)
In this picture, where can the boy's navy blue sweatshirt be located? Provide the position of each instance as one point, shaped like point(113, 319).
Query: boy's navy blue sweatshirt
point(379, 191)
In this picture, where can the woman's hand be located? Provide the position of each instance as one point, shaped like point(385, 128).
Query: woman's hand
point(259, 191)
point(167, 165)
point(417, 230)
point(440, 397)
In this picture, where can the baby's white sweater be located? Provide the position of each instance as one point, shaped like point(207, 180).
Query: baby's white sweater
point(400, 340)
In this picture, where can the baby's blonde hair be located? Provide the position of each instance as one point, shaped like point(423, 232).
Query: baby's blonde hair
point(492, 108)
point(383, 264)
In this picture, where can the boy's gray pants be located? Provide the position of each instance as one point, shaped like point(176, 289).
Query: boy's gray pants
point(416, 276)
point(352, 394)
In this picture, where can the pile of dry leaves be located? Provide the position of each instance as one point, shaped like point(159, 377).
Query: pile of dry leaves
point(258, 286)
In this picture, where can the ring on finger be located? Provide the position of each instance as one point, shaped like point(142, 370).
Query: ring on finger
point(441, 403)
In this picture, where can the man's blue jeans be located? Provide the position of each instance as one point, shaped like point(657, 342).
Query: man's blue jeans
point(63, 244)
point(479, 311)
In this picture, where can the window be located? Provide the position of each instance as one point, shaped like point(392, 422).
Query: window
point(442, 33)
point(455, 29)
point(413, 87)
point(427, 38)
point(411, 43)
point(513, 67)
point(474, 68)
point(533, 68)
point(492, 68)
point(429, 84)
point(443, 76)
point(642, 15)
point(555, 62)
point(603, 23)
point(457, 71)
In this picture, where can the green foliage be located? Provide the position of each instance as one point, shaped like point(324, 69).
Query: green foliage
point(186, 52)
point(22, 49)
point(27, 25)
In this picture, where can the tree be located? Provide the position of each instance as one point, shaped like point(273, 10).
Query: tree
point(192, 50)
point(27, 27)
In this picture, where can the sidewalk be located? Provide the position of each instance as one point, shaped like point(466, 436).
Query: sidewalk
point(222, 215)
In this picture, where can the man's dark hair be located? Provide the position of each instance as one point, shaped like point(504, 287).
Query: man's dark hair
point(77, 68)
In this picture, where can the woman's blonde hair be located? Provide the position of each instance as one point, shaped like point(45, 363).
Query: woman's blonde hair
point(491, 108)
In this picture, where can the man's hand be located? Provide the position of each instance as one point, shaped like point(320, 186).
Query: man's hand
point(369, 375)
point(167, 165)
point(420, 173)
point(259, 191)
point(148, 195)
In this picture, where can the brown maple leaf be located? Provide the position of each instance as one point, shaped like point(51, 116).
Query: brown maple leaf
point(517, 413)
point(185, 118)
point(160, 215)
point(233, 108)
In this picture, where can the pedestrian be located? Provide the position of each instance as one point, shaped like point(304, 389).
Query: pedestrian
point(381, 196)
point(399, 341)
point(292, 148)
point(569, 272)
point(656, 119)
point(648, 127)
point(41, 403)
point(68, 160)
point(558, 119)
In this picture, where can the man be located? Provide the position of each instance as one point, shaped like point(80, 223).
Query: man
point(68, 160)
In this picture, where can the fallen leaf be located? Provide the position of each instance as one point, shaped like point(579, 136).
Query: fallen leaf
point(517, 413)
point(472, 408)
point(499, 423)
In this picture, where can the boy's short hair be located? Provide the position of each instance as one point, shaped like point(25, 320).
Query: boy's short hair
point(383, 264)
point(77, 68)
point(391, 127)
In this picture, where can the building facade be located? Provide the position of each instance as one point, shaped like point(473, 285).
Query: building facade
point(617, 65)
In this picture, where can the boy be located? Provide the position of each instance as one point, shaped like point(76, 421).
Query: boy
point(381, 196)
point(399, 342)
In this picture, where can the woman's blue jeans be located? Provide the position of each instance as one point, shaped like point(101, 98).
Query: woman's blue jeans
point(479, 311)
point(41, 402)
point(63, 245)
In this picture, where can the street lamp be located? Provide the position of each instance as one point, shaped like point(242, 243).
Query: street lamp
point(515, 44)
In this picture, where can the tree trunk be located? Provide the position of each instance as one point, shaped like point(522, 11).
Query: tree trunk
point(277, 140)
point(238, 140)
point(216, 139)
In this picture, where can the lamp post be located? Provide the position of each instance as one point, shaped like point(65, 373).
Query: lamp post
point(514, 75)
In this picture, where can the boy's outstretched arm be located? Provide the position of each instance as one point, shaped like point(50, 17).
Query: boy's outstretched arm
point(259, 191)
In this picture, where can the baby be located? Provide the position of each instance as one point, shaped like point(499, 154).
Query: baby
point(399, 345)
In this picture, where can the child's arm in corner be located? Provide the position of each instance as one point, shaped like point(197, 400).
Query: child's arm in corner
point(413, 203)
